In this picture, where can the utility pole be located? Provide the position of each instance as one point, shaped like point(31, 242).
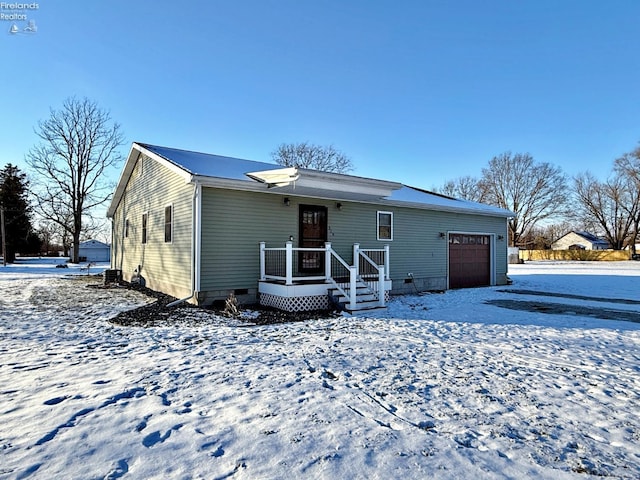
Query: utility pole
point(4, 238)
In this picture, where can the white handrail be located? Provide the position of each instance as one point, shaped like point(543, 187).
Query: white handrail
point(380, 276)
point(340, 259)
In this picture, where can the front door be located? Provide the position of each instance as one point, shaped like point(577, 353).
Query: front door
point(313, 234)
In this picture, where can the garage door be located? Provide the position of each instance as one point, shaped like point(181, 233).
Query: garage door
point(469, 260)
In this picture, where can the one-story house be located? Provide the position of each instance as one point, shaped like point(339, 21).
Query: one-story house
point(580, 241)
point(199, 227)
point(93, 251)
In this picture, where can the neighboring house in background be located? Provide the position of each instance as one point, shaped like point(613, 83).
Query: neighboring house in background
point(200, 226)
point(93, 251)
point(580, 241)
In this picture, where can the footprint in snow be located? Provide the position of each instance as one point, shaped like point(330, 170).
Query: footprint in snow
point(29, 471)
point(218, 452)
point(120, 470)
point(143, 423)
point(329, 375)
point(186, 409)
point(155, 437)
point(55, 400)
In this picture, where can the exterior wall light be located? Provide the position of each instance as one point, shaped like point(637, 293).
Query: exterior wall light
point(286, 201)
point(500, 237)
point(442, 235)
point(339, 206)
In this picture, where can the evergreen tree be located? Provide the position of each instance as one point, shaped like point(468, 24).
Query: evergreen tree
point(19, 233)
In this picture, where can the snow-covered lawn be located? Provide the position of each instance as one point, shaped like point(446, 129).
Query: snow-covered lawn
point(477, 383)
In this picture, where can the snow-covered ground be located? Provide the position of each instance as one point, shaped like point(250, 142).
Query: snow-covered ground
point(477, 383)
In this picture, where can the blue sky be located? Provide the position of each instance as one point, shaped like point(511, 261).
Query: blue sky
point(413, 91)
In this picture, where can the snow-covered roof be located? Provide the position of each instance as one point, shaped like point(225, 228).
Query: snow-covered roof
point(208, 165)
point(420, 198)
point(239, 174)
point(591, 238)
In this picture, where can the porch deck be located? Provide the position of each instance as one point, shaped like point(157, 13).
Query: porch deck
point(300, 279)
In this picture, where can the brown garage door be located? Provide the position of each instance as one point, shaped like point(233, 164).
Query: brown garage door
point(469, 260)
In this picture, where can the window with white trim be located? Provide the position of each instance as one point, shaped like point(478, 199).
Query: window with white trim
point(385, 225)
point(145, 218)
point(168, 223)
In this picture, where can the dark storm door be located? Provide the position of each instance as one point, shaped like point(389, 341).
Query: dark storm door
point(313, 234)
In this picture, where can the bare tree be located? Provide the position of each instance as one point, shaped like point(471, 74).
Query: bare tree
point(466, 187)
point(532, 191)
point(629, 166)
point(316, 157)
point(79, 144)
point(613, 204)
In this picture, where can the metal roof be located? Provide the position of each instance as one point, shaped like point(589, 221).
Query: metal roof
point(234, 173)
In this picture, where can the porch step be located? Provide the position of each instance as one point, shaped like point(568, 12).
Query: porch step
point(364, 306)
point(365, 299)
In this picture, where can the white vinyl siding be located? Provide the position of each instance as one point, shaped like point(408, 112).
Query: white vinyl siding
point(166, 266)
point(235, 222)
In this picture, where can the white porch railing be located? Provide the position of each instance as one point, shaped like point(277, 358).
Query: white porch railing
point(371, 268)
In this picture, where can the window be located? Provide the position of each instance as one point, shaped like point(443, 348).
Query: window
point(385, 226)
point(126, 228)
point(145, 217)
point(168, 223)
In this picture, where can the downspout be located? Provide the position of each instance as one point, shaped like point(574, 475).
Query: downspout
point(196, 202)
point(111, 250)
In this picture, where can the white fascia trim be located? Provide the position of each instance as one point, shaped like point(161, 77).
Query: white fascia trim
point(243, 185)
point(123, 180)
point(444, 208)
point(228, 183)
point(164, 162)
point(135, 151)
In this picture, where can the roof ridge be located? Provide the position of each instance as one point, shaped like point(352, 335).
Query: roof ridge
point(437, 194)
point(147, 145)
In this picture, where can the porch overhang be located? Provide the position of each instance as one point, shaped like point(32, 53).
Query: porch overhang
point(280, 177)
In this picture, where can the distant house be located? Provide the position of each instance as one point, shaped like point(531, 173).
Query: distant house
point(580, 241)
point(200, 226)
point(93, 251)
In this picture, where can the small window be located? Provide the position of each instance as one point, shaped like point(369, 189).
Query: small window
point(126, 228)
point(385, 226)
point(168, 223)
point(145, 217)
